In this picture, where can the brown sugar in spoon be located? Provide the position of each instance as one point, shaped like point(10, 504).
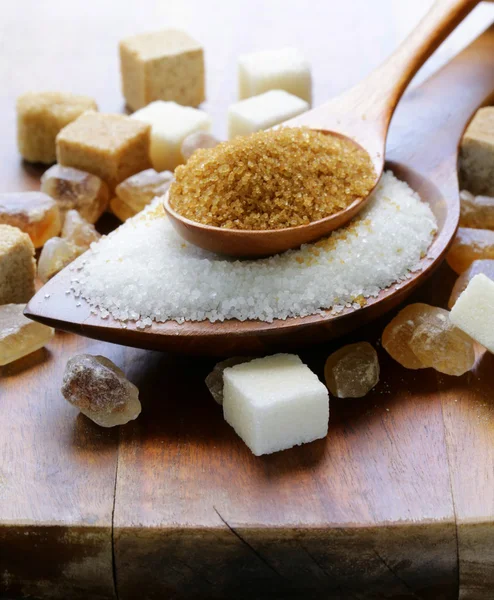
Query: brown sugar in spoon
point(361, 114)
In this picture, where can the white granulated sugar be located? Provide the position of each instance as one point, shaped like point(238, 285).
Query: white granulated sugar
point(145, 272)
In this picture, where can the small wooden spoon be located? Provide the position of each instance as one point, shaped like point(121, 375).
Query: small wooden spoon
point(362, 114)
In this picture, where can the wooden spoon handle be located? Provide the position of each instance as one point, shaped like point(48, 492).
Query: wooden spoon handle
point(385, 86)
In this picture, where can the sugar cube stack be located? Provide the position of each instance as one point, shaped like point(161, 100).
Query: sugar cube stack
point(170, 125)
point(110, 146)
point(263, 111)
point(477, 154)
point(162, 65)
point(40, 116)
point(282, 69)
point(473, 312)
point(274, 403)
point(17, 265)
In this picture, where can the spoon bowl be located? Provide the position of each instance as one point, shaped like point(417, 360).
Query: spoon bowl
point(361, 115)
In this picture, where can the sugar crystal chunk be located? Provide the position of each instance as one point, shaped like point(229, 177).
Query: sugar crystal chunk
point(281, 69)
point(20, 336)
point(274, 403)
point(138, 190)
point(352, 371)
point(477, 154)
point(40, 116)
point(75, 189)
point(17, 265)
point(100, 390)
point(57, 253)
point(399, 331)
point(476, 211)
point(34, 213)
point(78, 231)
point(111, 146)
point(214, 380)
point(478, 266)
point(170, 125)
point(195, 141)
point(437, 343)
point(263, 111)
point(162, 65)
point(121, 209)
point(473, 312)
point(469, 245)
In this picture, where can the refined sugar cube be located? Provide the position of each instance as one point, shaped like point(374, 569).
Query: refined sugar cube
point(57, 253)
point(170, 125)
point(478, 266)
point(34, 213)
point(75, 189)
point(40, 116)
point(477, 154)
point(20, 336)
point(195, 141)
point(473, 312)
point(112, 147)
point(275, 403)
point(138, 190)
point(469, 245)
point(352, 371)
point(214, 380)
point(162, 65)
point(121, 209)
point(100, 390)
point(262, 112)
point(17, 266)
point(284, 69)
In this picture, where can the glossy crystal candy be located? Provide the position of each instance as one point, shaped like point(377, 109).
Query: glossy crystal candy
point(34, 213)
point(486, 267)
point(399, 331)
point(352, 371)
point(437, 343)
point(214, 380)
point(138, 190)
point(100, 390)
point(76, 190)
point(196, 140)
point(121, 209)
point(78, 231)
point(20, 336)
point(476, 211)
point(57, 253)
point(469, 245)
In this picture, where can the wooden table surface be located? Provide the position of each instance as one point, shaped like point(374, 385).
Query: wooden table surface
point(397, 502)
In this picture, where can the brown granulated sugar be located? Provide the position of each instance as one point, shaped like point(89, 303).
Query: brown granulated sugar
point(272, 179)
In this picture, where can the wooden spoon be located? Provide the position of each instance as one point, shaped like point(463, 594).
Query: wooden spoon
point(362, 114)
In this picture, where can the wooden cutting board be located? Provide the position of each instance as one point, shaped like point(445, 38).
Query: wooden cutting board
point(397, 502)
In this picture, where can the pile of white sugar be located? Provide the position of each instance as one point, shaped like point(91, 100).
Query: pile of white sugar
point(144, 271)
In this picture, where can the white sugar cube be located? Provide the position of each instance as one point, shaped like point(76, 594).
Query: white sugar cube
point(473, 312)
point(170, 125)
point(263, 112)
point(275, 403)
point(284, 69)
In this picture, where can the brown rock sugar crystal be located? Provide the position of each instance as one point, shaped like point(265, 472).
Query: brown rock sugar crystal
point(272, 179)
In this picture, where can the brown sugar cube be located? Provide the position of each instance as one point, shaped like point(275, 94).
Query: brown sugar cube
point(40, 116)
point(162, 65)
point(112, 147)
point(35, 213)
point(477, 154)
point(17, 266)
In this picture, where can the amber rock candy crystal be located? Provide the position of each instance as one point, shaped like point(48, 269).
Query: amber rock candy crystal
point(469, 245)
point(78, 190)
point(100, 390)
point(138, 190)
point(352, 371)
point(18, 335)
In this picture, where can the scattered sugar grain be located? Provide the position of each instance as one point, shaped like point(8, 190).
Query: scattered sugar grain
point(184, 283)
